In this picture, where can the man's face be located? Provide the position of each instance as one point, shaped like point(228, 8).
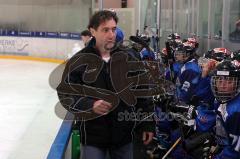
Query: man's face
point(105, 35)
point(226, 84)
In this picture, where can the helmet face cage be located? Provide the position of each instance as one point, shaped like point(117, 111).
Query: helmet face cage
point(180, 55)
point(183, 52)
point(224, 88)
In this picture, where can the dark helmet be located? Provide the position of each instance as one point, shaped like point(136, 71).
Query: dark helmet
point(225, 81)
point(185, 48)
point(218, 54)
point(146, 39)
point(174, 40)
point(173, 36)
point(187, 51)
point(193, 42)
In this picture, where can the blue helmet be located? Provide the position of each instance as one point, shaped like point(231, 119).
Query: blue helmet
point(119, 35)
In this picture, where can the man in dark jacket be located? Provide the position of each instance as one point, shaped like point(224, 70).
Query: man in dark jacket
point(89, 89)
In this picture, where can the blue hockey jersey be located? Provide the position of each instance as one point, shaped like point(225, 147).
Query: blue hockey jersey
point(228, 129)
point(225, 118)
point(147, 54)
point(174, 73)
point(191, 86)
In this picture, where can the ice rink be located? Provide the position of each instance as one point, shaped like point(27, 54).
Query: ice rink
point(28, 122)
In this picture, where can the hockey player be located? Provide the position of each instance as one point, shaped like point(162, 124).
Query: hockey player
point(192, 88)
point(173, 67)
point(224, 120)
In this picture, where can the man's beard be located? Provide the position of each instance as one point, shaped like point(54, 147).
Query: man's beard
point(109, 46)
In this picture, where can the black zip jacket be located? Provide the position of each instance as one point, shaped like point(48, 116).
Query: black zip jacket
point(117, 127)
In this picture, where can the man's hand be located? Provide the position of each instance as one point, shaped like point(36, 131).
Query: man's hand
point(147, 137)
point(101, 107)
